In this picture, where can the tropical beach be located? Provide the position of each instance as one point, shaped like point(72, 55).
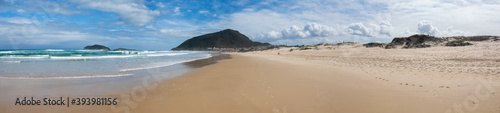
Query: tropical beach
point(349, 78)
point(249, 56)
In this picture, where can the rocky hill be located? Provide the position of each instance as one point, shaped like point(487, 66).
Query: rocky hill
point(223, 39)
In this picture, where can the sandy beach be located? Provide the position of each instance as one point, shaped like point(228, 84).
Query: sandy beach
point(288, 83)
point(343, 79)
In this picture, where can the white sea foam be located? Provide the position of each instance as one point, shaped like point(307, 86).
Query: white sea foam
point(26, 57)
point(54, 50)
point(165, 54)
point(69, 77)
point(147, 52)
point(163, 64)
point(91, 57)
point(5, 52)
point(124, 52)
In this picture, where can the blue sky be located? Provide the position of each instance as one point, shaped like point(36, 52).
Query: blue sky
point(162, 25)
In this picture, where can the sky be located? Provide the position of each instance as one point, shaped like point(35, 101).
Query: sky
point(164, 24)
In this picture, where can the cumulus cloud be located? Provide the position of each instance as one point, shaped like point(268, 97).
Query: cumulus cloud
point(318, 30)
point(425, 27)
point(382, 29)
point(453, 32)
point(317, 33)
point(359, 29)
point(129, 11)
point(310, 32)
point(385, 28)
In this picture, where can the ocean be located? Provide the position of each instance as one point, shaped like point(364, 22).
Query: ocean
point(56, 72)
point(57, 63)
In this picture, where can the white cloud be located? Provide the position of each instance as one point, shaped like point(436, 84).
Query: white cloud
point(129, 11)
point(19, 20)
point(160, 5)
point(385, 28)
point(252, 22)
point(311, 32)
point(204, 12)
point(318, 33)
point(476, 16)
point(318, 30)
point(359, 29)
point(240, 2)
point(453, 32)
point(177, 11)
point(38, 6)
point(425, 27)
point(21, 11)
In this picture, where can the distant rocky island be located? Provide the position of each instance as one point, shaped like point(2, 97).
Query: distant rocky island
point(96, 46)
point(101, 47)
point(228, 39)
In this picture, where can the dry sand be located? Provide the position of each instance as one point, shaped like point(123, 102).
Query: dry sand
point(343, 79)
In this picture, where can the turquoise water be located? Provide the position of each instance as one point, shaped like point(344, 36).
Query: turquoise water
point(86, 73)
point(57, 63)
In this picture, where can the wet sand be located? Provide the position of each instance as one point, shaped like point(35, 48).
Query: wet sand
point(251, 83)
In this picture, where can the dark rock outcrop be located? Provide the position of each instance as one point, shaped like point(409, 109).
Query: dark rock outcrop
point(374, 44)
point(415, 41)
point(96, 46)
point(475, 38)
point(458, 43)
point(223, 39)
